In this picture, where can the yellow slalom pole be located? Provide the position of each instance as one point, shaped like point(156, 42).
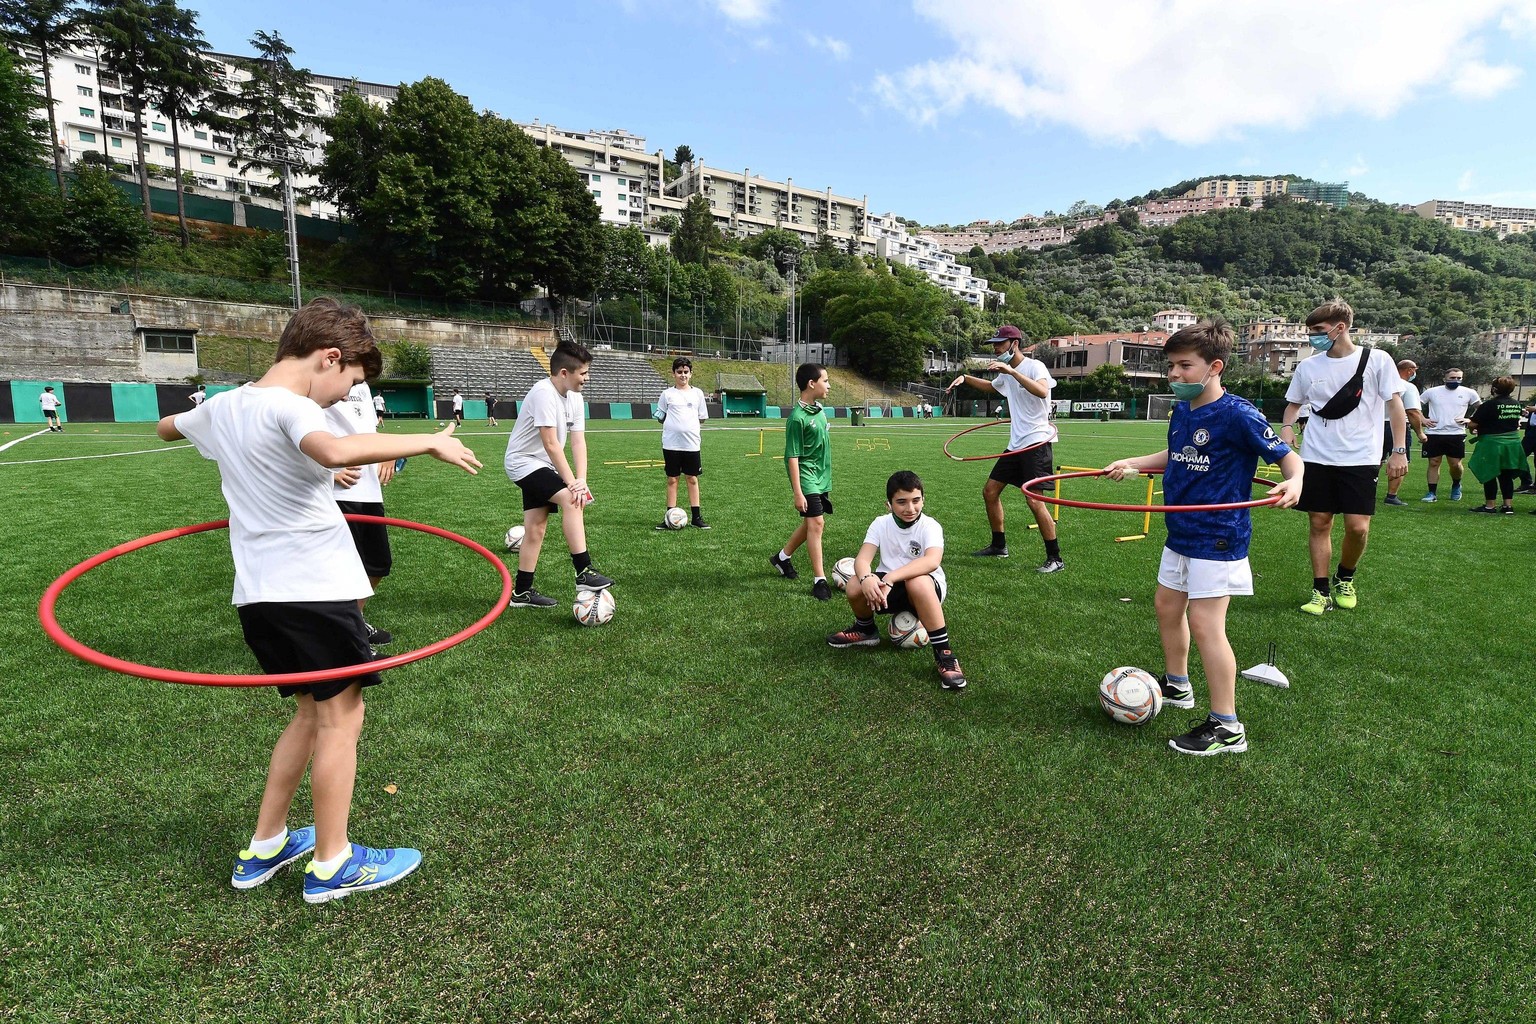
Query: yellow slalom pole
point(1146, 518)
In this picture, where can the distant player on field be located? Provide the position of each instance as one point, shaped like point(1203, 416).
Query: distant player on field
point(808, 461)
point(681, 408)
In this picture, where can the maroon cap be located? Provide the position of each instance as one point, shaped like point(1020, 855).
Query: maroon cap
point(1007, 332)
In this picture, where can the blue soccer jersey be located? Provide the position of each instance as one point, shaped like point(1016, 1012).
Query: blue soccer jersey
point(1213, 454)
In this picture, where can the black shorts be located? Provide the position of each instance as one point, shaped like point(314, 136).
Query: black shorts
point(370, 539)
point(817, 505)
point(1386, 444)
point(1339, 490)
point(1450, 445)
point(680, 463)
point(538, 487)
point(305, 636)
point(898, 601)
point(1019, 469)
point(1528, 442)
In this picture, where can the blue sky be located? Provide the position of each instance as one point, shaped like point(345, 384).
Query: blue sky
point(951, 110)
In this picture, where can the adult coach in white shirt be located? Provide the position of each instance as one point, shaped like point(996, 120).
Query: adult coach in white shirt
point(1348, 391)
point(1027, 384)
point(1447, 409)
point(1407, 369)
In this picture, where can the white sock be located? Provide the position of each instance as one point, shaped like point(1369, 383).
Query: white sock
point(268, 847)
point(783, 555)
point(327, 868)
point(819, 579)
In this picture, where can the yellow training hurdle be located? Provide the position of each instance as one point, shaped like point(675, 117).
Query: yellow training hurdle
point(761, 431)
point(1146, 517)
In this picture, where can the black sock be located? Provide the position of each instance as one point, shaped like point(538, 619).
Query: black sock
point(697, 515)
point(1345, 575)
point(1052, 549)
point(998, 539)
point(1432, 488)
point(940, 643)
point(864, 625)
point(581, 561)
point(1320, 584)
point(524, 582)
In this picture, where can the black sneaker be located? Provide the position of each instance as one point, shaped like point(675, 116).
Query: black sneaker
point(950, 676)
point(785, 567)
point(1176, 695)
point(1487, 510)
point(853, 636)
point(991, 551)
point(1211, 737)
point(820, 591)
point(590, 579)
point(378, 637)
point(700, 524)
point(1508, 510)
point(662, 526)
point(1527, 489)
point(1051, 565)
point(531, 598)
point(1393, 499)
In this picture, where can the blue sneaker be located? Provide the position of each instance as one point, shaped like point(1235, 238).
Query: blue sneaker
point(251, 870)
point(1456, 493)
point(367, 869)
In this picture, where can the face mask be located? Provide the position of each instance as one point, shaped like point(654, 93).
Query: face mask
point(1452, 385)
point(1320, 342)
point(1187, 391)
point(1412, 377)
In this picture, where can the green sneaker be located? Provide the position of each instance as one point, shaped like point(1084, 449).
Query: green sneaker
point(1344, 593)
point(1318, 605)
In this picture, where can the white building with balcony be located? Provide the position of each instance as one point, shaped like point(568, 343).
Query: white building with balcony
point(893, 243)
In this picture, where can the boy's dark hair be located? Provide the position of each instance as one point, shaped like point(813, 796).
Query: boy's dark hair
point(47, 387)
point(680, 362)
point(807, 373)
point(568, 355)
point(1209, 339)
point(1503, 386)
point(325, 323)
point(902, 480)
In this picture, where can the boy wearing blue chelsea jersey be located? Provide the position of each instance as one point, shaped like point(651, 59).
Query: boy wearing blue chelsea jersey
point(1215, 441)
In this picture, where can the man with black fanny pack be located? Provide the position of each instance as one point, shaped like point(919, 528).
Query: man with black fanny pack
point(1354, 397)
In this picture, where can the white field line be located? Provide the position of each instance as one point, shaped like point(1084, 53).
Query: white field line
point(10, 444)
point(109, 455)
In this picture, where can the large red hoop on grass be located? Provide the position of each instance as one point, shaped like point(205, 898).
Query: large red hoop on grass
point(1111, 507)
point(56, 632)
point(1055, 436)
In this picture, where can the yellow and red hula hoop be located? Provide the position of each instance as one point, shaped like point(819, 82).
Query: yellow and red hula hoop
point(1055, 436)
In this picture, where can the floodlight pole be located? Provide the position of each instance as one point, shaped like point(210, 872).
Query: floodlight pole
point(291, 223)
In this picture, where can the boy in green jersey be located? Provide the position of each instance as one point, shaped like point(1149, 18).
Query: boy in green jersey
point(808, 460)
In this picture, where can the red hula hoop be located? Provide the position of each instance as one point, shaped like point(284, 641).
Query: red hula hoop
point(56, 632)
point(1108, 507)
point(1055, 436)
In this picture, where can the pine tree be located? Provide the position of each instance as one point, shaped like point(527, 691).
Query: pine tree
point(49, 27)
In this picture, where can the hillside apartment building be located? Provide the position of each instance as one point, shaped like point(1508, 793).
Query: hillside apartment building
point(1506, 220)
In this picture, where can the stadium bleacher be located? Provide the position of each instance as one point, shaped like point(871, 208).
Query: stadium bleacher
point(509, 373)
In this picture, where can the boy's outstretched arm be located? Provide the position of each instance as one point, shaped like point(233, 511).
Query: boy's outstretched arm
point(334, 452)
point(1123, 468)
point(1289, 488)
point(166, 428)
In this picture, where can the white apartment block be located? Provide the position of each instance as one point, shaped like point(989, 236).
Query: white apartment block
point(1506, 220)
point(626, 182)
point(922, 253)
point(745, 204)
point(1518, 346)
point(993, 242)
point(1172, 320)
point(92, 114)
point(1238, 188)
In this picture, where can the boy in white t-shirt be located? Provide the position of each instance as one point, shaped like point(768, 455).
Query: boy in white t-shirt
point(536, 462)
point(1342, 453)
point(359, 490)
point(1027, 384)
point(910, 549)
point(1447, 411)
point(51, 405)
point(298, 580)
point(681, 408)
point(458, 407)
point(199, 396)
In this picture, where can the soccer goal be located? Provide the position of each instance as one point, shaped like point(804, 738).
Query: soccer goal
point(1159, 407)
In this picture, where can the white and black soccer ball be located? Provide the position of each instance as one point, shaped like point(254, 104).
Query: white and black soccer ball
point(675, 518)
point(593, 607)
point(842, 572)
point(1130, 695)
point(907, 631)
point(515, 538)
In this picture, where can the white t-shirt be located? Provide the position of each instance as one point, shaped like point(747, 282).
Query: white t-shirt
point(458, 403)
point(288, 538)
point(378, 404)
point(544, 407)
point(897, 545)
point(355, 415)
point(1445, 406)
point(684, 409)
point(49, 401)
point(1029, 416)
point(1356, 439)
point(198, 397)
point(1410, 396)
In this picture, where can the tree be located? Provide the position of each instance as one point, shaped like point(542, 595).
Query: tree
point(49, 27)
point(99, 222)
point(683, 155)
point(776, 245)
point(1108, 380)
point(179, 82)
point(883, 321)
point(27, 203)
point(697, 233)
point(124, 29)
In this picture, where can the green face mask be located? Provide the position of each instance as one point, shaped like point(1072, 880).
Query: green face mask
point(1187, 391)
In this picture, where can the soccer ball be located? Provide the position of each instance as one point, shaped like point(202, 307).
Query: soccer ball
point(907, 631)
point(675, 518)
point(842, 572)
point(515, 538)
point(1131, 696)
point(593, 607)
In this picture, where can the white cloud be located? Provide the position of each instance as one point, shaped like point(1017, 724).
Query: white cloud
point(1191, 71)
point(1464, 183)
point(1358, 168)
point(746, 12)
point(836, 47)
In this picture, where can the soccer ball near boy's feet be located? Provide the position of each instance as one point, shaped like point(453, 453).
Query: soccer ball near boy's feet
point(590, 579)
point(366, 869)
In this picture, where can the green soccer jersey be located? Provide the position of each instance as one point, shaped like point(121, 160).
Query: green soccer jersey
point(805, 438)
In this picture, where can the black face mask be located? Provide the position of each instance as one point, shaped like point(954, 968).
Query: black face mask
point(902, 524)
point(1452, 385)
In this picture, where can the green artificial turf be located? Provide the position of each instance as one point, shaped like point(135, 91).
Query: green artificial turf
point(699, 812)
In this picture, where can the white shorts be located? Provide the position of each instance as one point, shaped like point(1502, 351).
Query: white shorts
point(1203, 577)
